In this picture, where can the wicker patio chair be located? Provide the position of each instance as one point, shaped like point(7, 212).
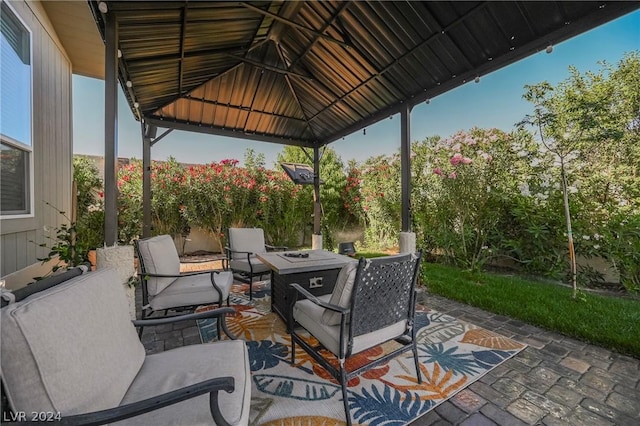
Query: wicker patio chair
point(244, 244)
point(373, 302)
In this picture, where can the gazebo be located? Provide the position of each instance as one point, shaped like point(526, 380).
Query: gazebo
point(307, 73)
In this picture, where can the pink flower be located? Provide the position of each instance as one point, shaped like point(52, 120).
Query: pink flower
point(452, 175)
point(466, 160)
point(438, 171)
point(456, 159)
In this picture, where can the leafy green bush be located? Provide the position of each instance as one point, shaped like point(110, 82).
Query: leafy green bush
point(89, 224)
point(335, 215)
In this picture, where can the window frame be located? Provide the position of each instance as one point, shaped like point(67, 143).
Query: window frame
point(28, 149)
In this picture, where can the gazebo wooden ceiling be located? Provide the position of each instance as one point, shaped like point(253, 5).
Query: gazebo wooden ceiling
point(308, 73)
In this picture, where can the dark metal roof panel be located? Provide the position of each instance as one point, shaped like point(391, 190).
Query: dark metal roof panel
point(310, 72)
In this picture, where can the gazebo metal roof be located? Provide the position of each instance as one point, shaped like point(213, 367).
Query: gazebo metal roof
point(307, 73)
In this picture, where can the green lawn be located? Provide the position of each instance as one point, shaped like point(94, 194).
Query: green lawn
point(610, 322)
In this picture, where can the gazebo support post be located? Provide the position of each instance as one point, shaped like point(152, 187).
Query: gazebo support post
point(110, 130)
point(316, 238)
point(147, 133)
point(407, 238)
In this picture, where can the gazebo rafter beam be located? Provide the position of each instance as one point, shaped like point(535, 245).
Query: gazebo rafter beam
point(271, 68)
point(293, 92)
point(191, 127)
point(183, 29)
point(245, 109)
point(295, 25)
point(316, 37)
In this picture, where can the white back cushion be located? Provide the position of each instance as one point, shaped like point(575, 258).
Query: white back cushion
point(246, 239)
point(159, 256)
point(71, 348)
point(341, 294)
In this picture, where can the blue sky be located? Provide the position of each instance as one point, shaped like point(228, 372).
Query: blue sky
point(496, 101)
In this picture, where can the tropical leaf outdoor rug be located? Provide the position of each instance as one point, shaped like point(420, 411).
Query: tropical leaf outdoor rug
point(453, 354)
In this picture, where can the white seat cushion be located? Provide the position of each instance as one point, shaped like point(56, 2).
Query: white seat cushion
point(72, 348)
point(243, 265)
point(159, 256)
point(171, 370)
point(309, 316)
point(341, 294)
point(193, 290)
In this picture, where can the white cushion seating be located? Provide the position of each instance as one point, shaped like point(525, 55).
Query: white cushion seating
point(243, 265)
point(341, 294)
point(244, 243)
point(73, 349)
point(374, 302)
point(160, 257)
point(193, 290)
point(309, 316)
point(187, 365)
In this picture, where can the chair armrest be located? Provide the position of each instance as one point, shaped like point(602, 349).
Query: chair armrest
point(208, 271)
point(238, 251)
point(211, 386)
point(319, 302)
point(183, 274)
point(276, 248)
point(220, 313)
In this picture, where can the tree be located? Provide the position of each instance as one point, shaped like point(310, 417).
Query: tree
point(334, 214)
point(590, 123)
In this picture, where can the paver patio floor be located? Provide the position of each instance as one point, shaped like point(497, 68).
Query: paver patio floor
point(556, 380)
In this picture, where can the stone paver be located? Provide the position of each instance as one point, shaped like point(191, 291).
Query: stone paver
point(556, 380)
point(468, 401)
point(564, 396)
point(575, 364)
point(450, 412)
point(526, 411)
point(500, 416)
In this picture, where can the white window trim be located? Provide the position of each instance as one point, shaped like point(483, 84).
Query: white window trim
point(10, 141)
point(15, 144)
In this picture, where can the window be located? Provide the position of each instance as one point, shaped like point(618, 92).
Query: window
point(16, 185)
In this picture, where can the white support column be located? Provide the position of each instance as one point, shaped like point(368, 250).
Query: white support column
point(407, 242)
point(120, 258)
point(316, 242)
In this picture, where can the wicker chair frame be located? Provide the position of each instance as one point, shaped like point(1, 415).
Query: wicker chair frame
point(383, 294)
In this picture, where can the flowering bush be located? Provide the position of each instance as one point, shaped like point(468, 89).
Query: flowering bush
point(380, 200)
point(352, 194)
point(130, 202)
point(458, 203)
point(212, 196)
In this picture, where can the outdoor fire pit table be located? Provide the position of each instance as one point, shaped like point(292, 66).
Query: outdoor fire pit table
point(315, 270)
